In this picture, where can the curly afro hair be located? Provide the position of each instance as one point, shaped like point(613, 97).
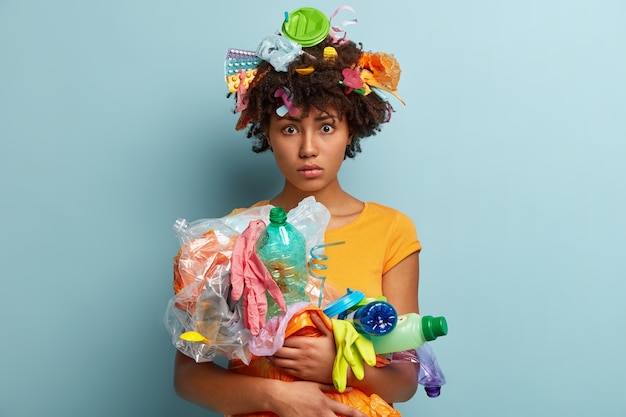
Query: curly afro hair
point(319, 89)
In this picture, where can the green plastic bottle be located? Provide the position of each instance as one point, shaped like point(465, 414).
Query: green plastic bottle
point(411, 332)
point(282, 249)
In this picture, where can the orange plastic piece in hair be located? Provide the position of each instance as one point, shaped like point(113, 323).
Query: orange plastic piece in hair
point(305, 71)
point(384, 67)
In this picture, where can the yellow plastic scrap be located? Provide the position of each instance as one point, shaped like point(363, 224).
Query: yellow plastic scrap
point(368, 78)
point(330, 53)
point(193, 337)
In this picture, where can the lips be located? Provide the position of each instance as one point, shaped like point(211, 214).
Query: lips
point(310, 171)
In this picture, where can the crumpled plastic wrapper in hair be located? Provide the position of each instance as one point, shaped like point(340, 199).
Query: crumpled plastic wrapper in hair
point(278, 51)
point(384, 67)
point(201, 302)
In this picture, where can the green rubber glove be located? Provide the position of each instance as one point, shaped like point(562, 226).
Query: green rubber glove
point(352, 350)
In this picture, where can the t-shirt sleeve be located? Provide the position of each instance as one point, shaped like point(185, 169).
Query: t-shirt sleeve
point(403, 241)
point(241, 210)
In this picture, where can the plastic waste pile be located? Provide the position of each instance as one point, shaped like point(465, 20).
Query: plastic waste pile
point(242, 286)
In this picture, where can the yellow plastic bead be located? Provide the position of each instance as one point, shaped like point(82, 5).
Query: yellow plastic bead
point(330, 53)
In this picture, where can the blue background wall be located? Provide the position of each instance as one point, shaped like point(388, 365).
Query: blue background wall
point(509, 156)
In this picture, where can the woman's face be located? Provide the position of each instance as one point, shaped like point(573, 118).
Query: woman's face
point(309, 150)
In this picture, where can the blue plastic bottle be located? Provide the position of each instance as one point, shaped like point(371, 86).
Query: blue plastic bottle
point(282, 249)
point(375, 318)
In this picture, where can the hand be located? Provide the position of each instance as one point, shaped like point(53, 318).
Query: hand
point(308, 358)
point(308, 399)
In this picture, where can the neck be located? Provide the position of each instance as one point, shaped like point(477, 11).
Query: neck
point(330, 197)
point(343, 207)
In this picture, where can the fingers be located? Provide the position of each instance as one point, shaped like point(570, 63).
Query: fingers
point(338, 407)
point(331, 388)
point(321, 324)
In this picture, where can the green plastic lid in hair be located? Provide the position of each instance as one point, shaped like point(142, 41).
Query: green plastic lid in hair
point(306, 26)
point(433, 327)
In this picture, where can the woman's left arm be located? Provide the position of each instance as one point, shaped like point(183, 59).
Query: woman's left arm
point(396, 382)
point(401, 284)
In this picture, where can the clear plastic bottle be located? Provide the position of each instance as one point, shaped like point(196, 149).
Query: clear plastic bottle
point(282, 249)
point(411, 332)
point(431, 376)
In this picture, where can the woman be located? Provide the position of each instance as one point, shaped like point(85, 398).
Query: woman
point(311, 113)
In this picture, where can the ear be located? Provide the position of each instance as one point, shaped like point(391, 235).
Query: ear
point(267, 138)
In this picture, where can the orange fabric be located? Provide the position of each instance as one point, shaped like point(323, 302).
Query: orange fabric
point(375, 242)
point(302, 325)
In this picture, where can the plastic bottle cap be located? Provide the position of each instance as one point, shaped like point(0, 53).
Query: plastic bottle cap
point(278, 215)
point(376, 318)
point(433, 392)
point(433, 327)
point(343, 303)
point(180, 225)
point(306, 26)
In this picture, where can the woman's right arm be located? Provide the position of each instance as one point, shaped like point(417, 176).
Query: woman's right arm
point(215, 388)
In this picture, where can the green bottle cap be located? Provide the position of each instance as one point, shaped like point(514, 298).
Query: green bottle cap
point(433, 327)
point(306, 26)
point(278, 215)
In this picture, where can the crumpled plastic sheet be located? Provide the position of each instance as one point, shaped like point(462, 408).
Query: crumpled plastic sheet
point(201, 302)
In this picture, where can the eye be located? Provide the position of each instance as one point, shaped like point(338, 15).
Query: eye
point(289, 130)
point(328, 129)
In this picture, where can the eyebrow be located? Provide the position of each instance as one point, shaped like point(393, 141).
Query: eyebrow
point(321, 117)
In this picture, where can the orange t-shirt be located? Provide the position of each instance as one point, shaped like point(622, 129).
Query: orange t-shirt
point(376, 241)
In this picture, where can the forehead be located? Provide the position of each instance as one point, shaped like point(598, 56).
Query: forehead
point(310, 113)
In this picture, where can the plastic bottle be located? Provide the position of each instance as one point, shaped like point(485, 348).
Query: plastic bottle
point(431, 376)
point(411, 332)
point(375, 318)
point(282, 249)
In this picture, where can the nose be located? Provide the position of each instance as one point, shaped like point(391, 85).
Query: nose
point(308, 146)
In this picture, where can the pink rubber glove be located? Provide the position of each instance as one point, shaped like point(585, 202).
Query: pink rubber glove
point(250, 278)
